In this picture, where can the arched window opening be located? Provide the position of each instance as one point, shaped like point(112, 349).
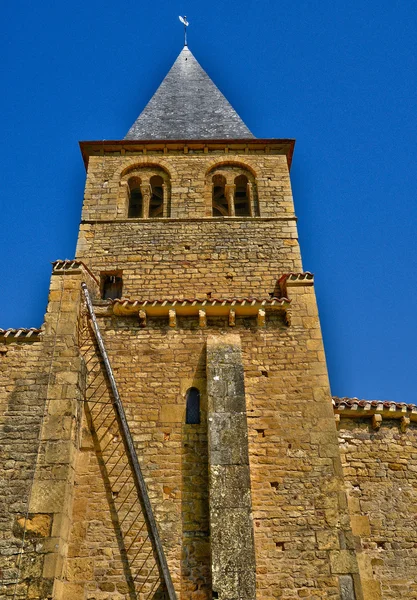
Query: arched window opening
point(192, 410)
point(135, 198)
point(242, 200)
point(219, 200)
point(156, 206)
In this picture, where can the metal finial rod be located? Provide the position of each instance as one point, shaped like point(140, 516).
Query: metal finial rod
point(186, 23)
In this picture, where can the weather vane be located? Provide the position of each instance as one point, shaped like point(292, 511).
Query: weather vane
point(186, 23)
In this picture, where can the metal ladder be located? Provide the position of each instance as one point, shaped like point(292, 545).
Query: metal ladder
point(131, 454)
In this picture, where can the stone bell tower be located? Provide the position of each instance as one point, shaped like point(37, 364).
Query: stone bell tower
point(191, 217)
point(188, 245)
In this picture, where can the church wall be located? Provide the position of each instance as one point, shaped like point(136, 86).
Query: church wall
point(380, 470)
point(299, 506)
point(191, 253)
point(190, 182)
point(23, 381)
point(301, 524)
point(41, 388)
point(192, 258)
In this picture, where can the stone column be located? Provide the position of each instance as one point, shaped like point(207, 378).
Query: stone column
point(229, 192)
point(164, 201)
point(249, 193)
point(231, 526)
point(146, 199)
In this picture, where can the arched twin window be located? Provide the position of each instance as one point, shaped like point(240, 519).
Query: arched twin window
point(233, 192)
point(147, 193)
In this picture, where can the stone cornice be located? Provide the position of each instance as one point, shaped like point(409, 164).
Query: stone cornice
point(196, 307)
point(163, 147)
point(165, 220)
point(376, 410)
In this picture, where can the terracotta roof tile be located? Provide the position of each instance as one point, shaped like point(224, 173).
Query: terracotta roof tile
point(355, 403)
point(21, 333)
point(71, 265)
point(249, 300)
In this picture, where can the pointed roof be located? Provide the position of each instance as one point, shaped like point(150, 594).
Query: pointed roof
point(188, 105)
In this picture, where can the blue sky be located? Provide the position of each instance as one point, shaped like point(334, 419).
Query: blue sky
point(338, 77)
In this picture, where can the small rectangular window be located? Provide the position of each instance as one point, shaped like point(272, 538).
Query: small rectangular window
point(111, 286)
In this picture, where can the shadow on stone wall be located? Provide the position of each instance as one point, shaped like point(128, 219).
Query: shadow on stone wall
point(195, 557)
point(126, 511)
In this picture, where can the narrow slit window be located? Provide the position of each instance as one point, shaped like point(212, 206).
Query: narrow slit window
point(135, 199)
point(192, 411)
point(112, 286)
point(156, 207)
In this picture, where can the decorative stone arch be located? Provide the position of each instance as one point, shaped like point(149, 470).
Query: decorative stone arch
point(138, 162)
point(230, 189)
point(229, 161)
point(152, 184)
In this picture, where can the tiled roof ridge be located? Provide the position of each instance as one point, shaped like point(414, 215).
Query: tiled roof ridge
point(73, 263)
point(67, 261)
point(21, 332)
point(294, 279)
point(354, 403)
point(296, 276)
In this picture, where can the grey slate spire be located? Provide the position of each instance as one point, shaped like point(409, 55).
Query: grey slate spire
point(187, 105)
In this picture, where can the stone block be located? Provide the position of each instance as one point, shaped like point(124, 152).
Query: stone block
point(371, 589)
point(228, 434)
point(172, 413)
point(327, 539)
point(229, 486)
point(360, 525)
point(347, 591)
point(35, 525)
point(79, 569)
point(48, 496)
point(227, 390)
point(343, 562)
point(234, 553)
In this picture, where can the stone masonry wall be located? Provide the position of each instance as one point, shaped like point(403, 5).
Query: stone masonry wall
point(41, 386)
point(190, 253)
point(380, 470)
point(23, 382)
point(190, 183)
point(302, 533)
point(99, 547)
point(192, 258)
point(303, 540)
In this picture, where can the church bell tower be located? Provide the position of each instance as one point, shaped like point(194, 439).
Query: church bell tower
point(198, 453)
point(214, 338)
